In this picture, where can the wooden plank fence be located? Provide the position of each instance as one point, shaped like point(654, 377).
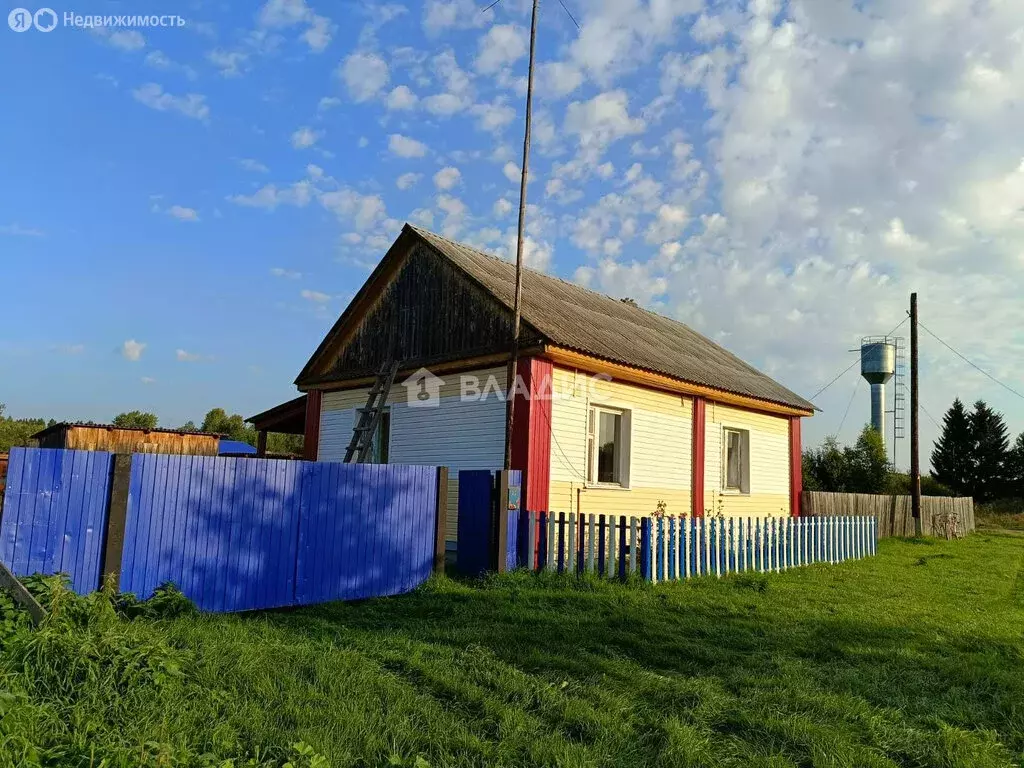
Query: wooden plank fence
point(672, 548)
point(893, 513)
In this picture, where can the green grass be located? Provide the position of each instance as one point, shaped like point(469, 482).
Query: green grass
point(912, 658)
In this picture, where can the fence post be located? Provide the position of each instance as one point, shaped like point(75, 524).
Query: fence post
point(571, 558)
point(531, 541)
point(117, 517)
point(590, 542)
point(633, 544)
point(622, 548)
point(645, 549)
point(613, 554)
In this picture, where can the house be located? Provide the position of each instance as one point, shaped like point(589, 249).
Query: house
point(108, 437)
point(618, 409)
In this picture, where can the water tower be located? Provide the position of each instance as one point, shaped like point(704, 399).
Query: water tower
point(878, 366)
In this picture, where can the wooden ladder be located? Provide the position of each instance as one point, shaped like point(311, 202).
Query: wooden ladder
point(369, 416)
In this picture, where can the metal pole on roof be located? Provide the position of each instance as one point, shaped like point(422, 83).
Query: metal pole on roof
point(513, 368)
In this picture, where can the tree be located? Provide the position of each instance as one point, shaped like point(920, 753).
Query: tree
point(953, 455)
point(16, 432)
point(1015, 468)
point(991, 446)
point(861, 468)
point(136, 420)
point(867, 465)
point(217, 421)
point(189, 426)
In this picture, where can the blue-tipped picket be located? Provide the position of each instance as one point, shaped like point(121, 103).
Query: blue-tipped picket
point(672, 548)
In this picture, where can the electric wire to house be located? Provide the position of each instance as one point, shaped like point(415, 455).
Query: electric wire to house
point(968, 361)
point(856, 388)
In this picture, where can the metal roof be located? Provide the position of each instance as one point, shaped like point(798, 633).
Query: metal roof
point(585, 321)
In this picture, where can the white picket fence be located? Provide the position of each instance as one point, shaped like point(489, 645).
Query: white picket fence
point(671, 548)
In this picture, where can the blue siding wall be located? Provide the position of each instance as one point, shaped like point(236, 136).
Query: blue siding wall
point(55, 513)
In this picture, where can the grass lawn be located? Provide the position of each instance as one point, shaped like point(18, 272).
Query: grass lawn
point(912, 658)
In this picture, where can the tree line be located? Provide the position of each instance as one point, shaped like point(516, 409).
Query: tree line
point(972, 457)
point(17, 432)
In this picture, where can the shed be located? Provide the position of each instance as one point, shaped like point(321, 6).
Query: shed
point(108, 437)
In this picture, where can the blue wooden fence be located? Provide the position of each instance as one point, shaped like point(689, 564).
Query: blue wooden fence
point(479, 526)
point(232, 533)
point(55, 514)
point(671, 548)
point(238, 534)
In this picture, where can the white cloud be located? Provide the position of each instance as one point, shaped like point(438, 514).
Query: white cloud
point(445, 104)
point(364, 74)
point(248, 164)
point(502, 208)
point(15, 230)
point(288, 274)
point(602, 120)
point(447, 178)
point(228, 63)
point(183, 214)
point(365, 212)
point(327, 102)
point(558, 78)
point(132, 350)
point(305, 137)
point(160, 60)
point(512, 172)
point(407, 180)
point(270, 196)
point(147, 380)
point(190, 105)
point(316, 297)
point(187, 357)
point(403, 146)
point(283, 14)
point(402, 97)
point(441, 15)
point(503, 45)
point(125, 39)
point(670, 223)
point(494, 116)
point(455, 213)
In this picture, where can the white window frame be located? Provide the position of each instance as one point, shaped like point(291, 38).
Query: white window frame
point(744, 487)
point(625, 428)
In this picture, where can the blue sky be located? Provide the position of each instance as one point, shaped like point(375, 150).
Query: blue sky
point(779, 176)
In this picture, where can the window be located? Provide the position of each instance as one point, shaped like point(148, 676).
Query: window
point(605, 446)
point(382, 439)
point(736, 460)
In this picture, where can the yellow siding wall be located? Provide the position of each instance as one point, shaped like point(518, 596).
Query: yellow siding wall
point(456, 435)
point(661, 441)
point(769, 463)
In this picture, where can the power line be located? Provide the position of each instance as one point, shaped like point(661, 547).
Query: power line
point(919, 404)
point(570, 14)
point(856, 386)
point(970, 363)
point(844, 372)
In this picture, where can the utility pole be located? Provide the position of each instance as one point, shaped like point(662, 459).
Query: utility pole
point(513, 372)
point(915, 437)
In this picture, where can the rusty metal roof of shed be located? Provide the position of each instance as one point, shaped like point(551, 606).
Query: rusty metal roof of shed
point(576, 318)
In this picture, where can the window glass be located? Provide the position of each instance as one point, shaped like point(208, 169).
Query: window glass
point(609, 446)
point(734, 460)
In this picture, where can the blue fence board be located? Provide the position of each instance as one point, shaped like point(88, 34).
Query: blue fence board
point(55, 513)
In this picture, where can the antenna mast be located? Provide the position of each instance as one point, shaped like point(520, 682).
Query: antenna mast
point(514, 362)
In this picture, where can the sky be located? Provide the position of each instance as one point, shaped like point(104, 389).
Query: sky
point(186, 210)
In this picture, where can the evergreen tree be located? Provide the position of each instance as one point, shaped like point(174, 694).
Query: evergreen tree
point(991, 446)
point(952, 457)
point(1015, 468)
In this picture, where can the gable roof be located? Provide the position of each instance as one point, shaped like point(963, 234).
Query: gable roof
point(591, 323)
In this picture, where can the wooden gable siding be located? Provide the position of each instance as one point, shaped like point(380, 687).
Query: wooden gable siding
point(431, 312)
